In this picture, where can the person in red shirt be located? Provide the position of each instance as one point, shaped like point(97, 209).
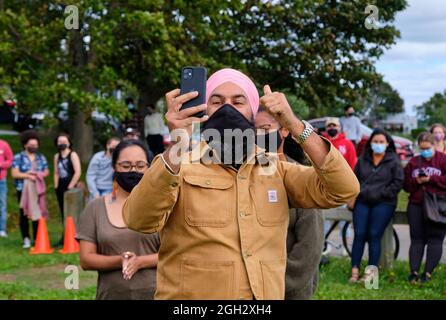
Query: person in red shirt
point(338, 139)
point(348, 151)
point(6, 157)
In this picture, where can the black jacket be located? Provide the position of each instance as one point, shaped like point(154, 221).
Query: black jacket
point(380, 184)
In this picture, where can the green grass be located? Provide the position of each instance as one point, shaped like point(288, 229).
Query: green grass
point(23, 276)
point(333, 284)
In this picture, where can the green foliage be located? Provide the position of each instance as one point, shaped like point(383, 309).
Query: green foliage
point(416, 132)
point(381, 100)
point(433, 110)
point(320, 50)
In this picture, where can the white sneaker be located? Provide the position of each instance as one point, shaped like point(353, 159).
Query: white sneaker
point(26, 243)
point(327, 250)
point(3, 234)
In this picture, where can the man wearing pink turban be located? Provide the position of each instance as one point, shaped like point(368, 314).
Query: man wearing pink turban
point(223, 226)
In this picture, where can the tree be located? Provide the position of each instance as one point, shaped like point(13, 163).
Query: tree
point(321, 50)
point(380, 101)
point(47, 63)
point(318, 51)
point(433, 110)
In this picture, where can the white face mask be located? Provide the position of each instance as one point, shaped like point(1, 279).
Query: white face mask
point(378, 148)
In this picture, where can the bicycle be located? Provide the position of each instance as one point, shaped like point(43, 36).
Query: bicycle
point(347, 244)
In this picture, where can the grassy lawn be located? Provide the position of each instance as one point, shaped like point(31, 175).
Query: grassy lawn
point(23, 276)
point(333, 284)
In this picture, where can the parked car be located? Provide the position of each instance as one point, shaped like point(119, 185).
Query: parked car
point(404, 147)
point(20, 121)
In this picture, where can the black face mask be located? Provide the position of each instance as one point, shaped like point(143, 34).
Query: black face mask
point(62, 147)
point(111, 150)
point(31, 149)
point(293, 150)
point(128, 180)
point(350, 114)
point(332, 132)
point(233, 151)
point(263, 141)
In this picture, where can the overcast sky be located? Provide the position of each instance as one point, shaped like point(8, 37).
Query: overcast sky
point(416, 64)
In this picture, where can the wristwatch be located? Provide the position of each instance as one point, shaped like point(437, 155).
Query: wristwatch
point(308, 130)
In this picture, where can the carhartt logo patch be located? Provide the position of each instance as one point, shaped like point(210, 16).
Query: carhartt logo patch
point(272, 196)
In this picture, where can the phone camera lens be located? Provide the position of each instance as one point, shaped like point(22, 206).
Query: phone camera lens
point(187, 74)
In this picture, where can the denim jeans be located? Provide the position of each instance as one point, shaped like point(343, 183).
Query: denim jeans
point(369, 222)
point(3, 204)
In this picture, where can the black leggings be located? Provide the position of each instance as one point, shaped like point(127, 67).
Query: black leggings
point(24, 222)
point(424, 232)
point(61, 188)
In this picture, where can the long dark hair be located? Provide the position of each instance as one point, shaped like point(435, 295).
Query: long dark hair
point(129, 143)
point(391, 147)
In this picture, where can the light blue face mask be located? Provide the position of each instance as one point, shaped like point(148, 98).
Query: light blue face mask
point(427, 153)
point(378, 148)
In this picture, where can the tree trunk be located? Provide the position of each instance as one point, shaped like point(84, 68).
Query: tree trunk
point(149, 92)
point(82, 130)
point(82, 136)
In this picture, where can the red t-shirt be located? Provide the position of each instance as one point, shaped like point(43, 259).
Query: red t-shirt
point(345, 147)
point(6, 157)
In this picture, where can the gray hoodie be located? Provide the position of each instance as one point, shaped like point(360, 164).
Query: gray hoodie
point(351, 126)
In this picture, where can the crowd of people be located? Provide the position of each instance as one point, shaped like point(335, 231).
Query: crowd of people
point(159, 228)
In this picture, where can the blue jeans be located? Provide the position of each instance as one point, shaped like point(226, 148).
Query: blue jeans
point(3, 204)
point(369, 222)
point(104, 192)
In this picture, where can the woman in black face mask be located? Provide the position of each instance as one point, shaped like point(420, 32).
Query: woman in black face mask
point(29, 165)
point(67, 172)
point(126, 260)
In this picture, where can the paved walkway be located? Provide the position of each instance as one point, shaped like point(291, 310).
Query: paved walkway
point(403, 235)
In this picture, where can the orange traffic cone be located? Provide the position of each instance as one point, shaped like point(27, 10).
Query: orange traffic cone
point(70, 245)
point(42, 241)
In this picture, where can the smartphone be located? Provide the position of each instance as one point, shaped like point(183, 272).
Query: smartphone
point(194, 79)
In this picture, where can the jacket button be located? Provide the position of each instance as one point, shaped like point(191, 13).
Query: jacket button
point(174, 184)
point(208, 182)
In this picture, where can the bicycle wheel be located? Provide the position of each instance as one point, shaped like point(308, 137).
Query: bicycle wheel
point(396, 242)
point(348, 244)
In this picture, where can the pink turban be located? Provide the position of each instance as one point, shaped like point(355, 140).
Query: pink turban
point(237, 78)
